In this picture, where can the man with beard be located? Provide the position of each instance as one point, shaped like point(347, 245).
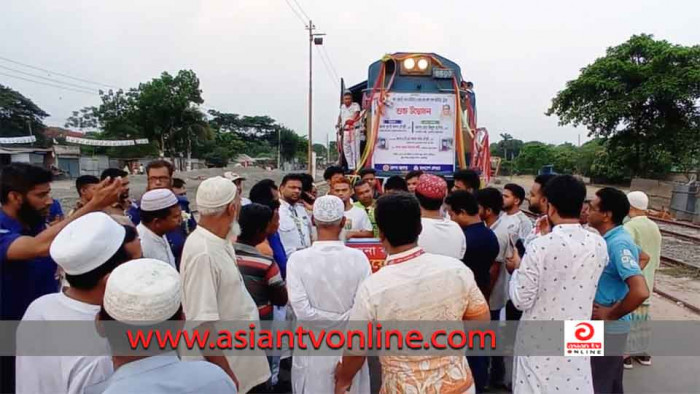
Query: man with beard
point(118, 210)
point(295, 225)
point(538, 205)
point(26, 270)
point(213, 288)
point(160, 176)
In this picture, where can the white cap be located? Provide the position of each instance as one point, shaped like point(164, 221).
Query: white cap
point(142, 292)
point(155, 200)
point(638, 200)
point(328, 209)
point(215, 192)
point(86, 243)
point(233, 177)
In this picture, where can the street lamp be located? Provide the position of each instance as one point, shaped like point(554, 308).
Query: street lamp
point(314, 39)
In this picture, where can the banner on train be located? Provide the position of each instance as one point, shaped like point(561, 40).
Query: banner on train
point(416, 132)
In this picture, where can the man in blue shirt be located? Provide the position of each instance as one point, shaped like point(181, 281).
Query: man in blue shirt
point(26, 270)
point(621, 287)
point(55, 213)
point(482, 250)
point(160, 176)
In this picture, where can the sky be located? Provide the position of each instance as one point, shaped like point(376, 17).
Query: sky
point(252, 56)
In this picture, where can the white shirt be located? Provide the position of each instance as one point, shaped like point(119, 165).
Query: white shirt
point(295, 227)
point(322, 283)
point(442, 236)
point(421, 287)
point(507, 233)
point(348, 112)
point(213, 290)
point(245, 201)
point(557, 280)
point(356, 219)
point(155, 246)
point(61, 374)
point(523, 224)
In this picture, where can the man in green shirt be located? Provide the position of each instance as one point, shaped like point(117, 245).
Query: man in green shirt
point(365, 200)
point(647, 236)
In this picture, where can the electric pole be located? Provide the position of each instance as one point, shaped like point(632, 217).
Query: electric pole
point(314, 39)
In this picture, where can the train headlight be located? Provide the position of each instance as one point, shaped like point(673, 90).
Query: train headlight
point(423, 64)
point(409, 63)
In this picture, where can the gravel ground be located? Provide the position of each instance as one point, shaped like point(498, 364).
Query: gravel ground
point(679, 229)
point(685, 251)
point(65, 192)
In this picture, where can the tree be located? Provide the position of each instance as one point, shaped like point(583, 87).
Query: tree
point(565, 158)
point(641, 95)
point(19, 116)
point(160, 107)
point(508, 147)
point(533, 156)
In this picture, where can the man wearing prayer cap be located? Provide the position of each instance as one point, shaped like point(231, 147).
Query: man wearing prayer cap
point(213, 288)
point(87, 250)
point(159, 174)
point(645, 234)
point(440, 235)
point(322, 282)
point(146, 294)
point(160, 214)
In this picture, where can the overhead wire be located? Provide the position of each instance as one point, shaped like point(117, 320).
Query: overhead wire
point(50, 84)
point(49, 79)
point(58, 73)
point(301, 9)
point(330, 62)
point(328, 69)
point(298, 15)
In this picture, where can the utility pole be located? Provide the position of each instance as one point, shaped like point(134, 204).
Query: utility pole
point(279, 147)
point(317, 39)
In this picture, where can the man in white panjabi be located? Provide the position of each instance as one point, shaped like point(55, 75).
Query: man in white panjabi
point(87, 250)
point(213, 288)
point(160, 214)
point(349, 114)
point(557, 280)
point(322, 282)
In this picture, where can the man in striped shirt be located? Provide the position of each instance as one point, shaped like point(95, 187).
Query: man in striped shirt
point(260, 273)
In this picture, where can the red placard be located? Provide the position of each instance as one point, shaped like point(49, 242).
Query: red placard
point(373, 249)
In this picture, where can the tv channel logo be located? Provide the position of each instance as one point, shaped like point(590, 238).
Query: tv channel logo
point(584, 338)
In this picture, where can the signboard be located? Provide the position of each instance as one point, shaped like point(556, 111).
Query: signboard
point(18, 140)
point(372, 248)
point(416, 132)
point(86, 141)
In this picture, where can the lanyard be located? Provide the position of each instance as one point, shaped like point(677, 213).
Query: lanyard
point(298, 224)
point(403, 259)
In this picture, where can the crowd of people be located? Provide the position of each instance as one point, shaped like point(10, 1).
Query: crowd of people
point(456, 251)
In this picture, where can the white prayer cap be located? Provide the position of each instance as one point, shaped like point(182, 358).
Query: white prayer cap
point(143, 292)
point(328, 209)
point(233, 177)
point(155, 200)
point(86, 243)
point(638, 200)
point(215, 192)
